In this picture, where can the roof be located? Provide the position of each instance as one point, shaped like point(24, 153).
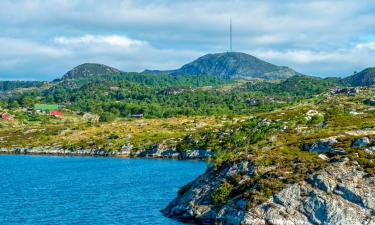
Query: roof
point(6, 116)
point(56, 113)
point(46, 107)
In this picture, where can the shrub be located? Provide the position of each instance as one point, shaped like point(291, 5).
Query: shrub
point(316, 119)
point(107, 117)
point(221, 194)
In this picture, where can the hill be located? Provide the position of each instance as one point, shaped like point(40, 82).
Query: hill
point(364, 78)
point(90, 70)
point(231, 65)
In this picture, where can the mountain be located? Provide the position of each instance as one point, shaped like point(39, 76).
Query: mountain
point(89, 70)
point(364, 78)
point(231, 65)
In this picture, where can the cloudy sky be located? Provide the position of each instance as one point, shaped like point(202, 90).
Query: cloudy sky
point(41, 40)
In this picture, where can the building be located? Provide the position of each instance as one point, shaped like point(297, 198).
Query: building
point(45, 107)
point(56, 113)
point(6, 116)
point(139, 115)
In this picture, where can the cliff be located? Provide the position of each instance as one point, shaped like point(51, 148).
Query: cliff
point(339, 194)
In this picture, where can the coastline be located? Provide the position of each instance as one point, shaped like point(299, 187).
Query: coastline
point(145, 154)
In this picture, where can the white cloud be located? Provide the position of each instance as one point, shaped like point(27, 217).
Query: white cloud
point(54, 57)
point(17, 47)
point(312, 36)
point(111, 40)
point(368, 46)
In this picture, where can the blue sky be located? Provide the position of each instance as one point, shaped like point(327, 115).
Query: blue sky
point(41, 40)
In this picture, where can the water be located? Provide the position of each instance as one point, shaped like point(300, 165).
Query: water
point(84, 190)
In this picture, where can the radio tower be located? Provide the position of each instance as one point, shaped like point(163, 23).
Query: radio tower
point(230, 35)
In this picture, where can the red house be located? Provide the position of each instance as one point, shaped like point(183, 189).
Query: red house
point(56, 113)
point(6, 116)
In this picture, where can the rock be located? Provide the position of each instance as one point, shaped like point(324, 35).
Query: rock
point(347, 91)
point(339, 151)
point(159, 151)
point(169, 153)
point(195, 204)
point(322, 146)
point(338, 194)
point(370, 150)
point(324, 157)
point(196, 154)
point(369, 101)
point(126, 149)
point(361, 142)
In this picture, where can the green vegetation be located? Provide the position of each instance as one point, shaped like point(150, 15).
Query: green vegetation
point(12, 85)
point(265, 122)
point(221, 195)
point(163, 96)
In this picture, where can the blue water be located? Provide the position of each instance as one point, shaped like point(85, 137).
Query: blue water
point(84, 190)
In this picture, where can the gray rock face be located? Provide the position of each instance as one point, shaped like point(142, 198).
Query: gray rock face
point(347, 91)
point(361, 142)
point(370, 150)
point(369, 102)
point(195, 203)
point(339, 194)
point(196, 154)
point(159, 151)
point(126, 149)
point(323, 146)
point(90, 69)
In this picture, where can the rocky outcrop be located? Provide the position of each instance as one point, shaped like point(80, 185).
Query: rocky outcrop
point(347, 91)
point(338, 194)
point(362, 142)
point(194, 203)
point(369, 101)
point(322, 146)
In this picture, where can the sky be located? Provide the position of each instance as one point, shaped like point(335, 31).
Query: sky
point(42, 40)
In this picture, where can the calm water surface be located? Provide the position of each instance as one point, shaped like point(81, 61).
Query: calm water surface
point(84, 190)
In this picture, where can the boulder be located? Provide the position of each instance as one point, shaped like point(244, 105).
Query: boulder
point(324, 157)
point(339, 151)
point(126, 149)
point(322, 146)
point(370, 150)
point(197, 154)
point(347, 91)
point(369, 102)
point(159, 151)
point(361, 142)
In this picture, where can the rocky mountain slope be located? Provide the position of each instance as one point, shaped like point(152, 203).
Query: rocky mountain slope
point(364, 78)
point(338, 194)
point(231, 65)
point(89, 70)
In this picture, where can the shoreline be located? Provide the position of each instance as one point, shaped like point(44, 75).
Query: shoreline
point(202, 155)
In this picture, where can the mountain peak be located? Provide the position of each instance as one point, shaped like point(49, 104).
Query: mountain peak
point(90, 69)
point(364, 78)
point(229, 65)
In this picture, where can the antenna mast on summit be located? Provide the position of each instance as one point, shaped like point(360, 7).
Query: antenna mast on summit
point(230, 35)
